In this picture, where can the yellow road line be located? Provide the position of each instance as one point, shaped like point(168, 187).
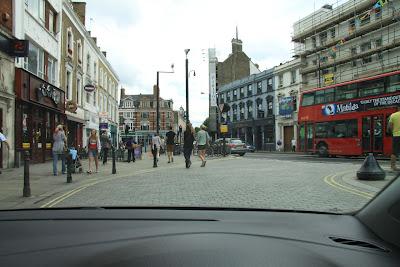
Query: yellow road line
point(330, 181)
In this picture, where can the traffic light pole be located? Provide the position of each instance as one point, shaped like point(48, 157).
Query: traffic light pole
point(158, 103)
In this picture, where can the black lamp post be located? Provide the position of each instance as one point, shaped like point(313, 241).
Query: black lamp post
point(158, 96)
point(187, 86)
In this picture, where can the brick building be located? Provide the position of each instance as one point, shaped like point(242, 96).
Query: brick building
point(138, 117)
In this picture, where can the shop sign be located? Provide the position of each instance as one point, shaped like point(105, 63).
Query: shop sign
point(48, 145)
point(329, 78)
point(103, 126)
point(286, 107)
point(360, 105)
point(223, 128)
point(14, 47)
point(26, 145)
point(47, 90)
point(89, 88)
point(103, 115)
point(71, 106)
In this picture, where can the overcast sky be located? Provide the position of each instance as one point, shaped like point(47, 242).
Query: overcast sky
point(142, 37)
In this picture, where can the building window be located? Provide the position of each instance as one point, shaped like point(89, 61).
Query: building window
point(145, 115)
point(333, 33)
point(259, 88)
point(314, 42)
point(366, 60)
point(249, 110)
point(280, 80)
point(353, 51)
point(365, 46)
point(293, 76)
point(249, 90)
point(95, 71)
point(378, 42)
point(314, 62)
point(69, 85)
point(242, 92)
point(270, 106)
point(94, 98)
point(51, 22)
point(323, 36)
point(79, 52)
point(378, 13)
point(269, 85)
point(352, 24)
point(51, 71)
point(35, 61)
point(70, 43)
point(88, 65)
point(78, 91)
point(379, 55)
point(235, 94)
point(228, 96)
point(36, 8)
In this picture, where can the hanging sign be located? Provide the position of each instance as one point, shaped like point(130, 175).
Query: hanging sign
point(89, 88)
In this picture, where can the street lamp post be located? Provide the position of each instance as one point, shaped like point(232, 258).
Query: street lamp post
point(187, 86)
point(158, 96)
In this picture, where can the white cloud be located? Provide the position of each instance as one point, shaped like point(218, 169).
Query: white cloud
point(142, 37)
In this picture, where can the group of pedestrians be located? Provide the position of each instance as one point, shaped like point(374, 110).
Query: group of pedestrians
point(189, 138)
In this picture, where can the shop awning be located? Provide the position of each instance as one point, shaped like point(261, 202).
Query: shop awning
point(78, 120)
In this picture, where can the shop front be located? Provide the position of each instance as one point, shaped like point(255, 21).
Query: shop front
point(39, 108)
point(75, 124)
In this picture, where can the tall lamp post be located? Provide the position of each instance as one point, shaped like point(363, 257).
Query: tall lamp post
point(158, 96)
point(187, 86)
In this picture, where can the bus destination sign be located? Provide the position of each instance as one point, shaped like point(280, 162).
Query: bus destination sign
point(360, 105)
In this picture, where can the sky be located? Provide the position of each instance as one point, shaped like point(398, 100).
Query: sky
point(142, 37)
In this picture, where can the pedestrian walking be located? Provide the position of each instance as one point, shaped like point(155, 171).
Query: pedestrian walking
point(58, 150)
point(129, 147)
point(93, 150)
point(170, 144)
point(294, 143)
point(203, 140)
point(3, 140)
point(105, 142)
point(156, 145)
point(394, 128)
point(188, 139)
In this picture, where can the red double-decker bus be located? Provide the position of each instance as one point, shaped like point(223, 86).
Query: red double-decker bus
point(349, 118)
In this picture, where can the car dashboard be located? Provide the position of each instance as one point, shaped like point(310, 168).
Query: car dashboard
point(187, 237)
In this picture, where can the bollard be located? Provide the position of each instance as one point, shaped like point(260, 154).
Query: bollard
point(69, 167)
point(27, 186)
point(370, 169)
point(114, 170)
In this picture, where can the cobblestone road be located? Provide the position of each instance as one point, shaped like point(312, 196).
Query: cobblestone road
point(230, 182)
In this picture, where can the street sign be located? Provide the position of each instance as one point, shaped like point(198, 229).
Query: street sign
point(89, 88)
point(223, 128)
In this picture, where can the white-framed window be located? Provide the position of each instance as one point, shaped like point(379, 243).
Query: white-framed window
point(51, 21)
point(70, 42)
point(35, 60)
point(94, 98)
point(88, 63)
point(105, 81)
point(68, 86)
point(79, 47)
point(293, 76)
point(36, 8)
point(101, 77)
point(51, 70)
point(95, 71)
point(280, 80)
point(79, 90)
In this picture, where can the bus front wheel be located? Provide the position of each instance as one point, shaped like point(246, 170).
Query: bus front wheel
point(322, 150)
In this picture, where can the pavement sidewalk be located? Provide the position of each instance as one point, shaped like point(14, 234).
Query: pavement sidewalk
point(44, 185)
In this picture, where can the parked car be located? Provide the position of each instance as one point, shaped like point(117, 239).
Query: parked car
point(233, 146)
point(250, 148)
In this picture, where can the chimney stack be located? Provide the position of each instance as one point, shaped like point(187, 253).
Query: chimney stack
point(80, 10)
point(122, 92)
point(95, 40)
point(104, 53)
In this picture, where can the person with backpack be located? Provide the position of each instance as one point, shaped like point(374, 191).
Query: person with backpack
point(170, 144)
point(203, 140)
point(59, 143)
point(105, 146)
point(129, 147)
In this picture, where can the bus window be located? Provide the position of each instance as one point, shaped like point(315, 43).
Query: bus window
point(352, 128)
point(368, 88)
point(340, 129)
point(321, 130)
point(393, 84)
point(346, 92)
point(308, 99)
point(320, 97)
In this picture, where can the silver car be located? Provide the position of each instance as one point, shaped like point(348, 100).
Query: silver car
point(233, 146)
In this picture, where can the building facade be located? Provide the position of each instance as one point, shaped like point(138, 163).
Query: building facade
point(354, 40)
point(39, 100)
point(237, 66)
point(138, 117)
point(287, 90)
point(7, 99)
point(252, 109)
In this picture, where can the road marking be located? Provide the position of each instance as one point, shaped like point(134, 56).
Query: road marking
point(330, 180)
point(72, 192)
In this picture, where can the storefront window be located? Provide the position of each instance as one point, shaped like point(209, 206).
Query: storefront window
point(25, 132)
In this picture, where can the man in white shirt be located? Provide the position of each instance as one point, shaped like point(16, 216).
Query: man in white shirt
point(294, 143)
point(3, 139)
point(155, 147)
